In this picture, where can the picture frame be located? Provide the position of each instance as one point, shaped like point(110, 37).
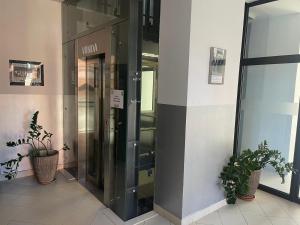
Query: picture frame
point(26, 73)
point(217, 64)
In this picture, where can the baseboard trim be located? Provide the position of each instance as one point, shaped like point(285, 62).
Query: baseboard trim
point(202, 213)
point(190, 218)
point(166, 214)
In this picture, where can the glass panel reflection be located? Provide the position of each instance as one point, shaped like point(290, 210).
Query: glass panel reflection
point(147, 141)
point(82, 15)
point(269, 111)
point(90, 124)
point(148, 127)
point(148, 79)
point(69, 112)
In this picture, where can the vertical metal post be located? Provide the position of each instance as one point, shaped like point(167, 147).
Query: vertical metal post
point(239, 95)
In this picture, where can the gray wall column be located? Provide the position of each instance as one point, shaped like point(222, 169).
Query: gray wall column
point(172, 100)
point(195, 119)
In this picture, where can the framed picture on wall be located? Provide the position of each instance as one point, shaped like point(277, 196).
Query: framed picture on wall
point(217, 65)
point(26, 73)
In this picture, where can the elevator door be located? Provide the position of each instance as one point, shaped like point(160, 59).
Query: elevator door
point(94, 83)
point(91, 125)
point(94, 117)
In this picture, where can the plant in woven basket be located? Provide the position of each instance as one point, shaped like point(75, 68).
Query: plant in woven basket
point(235, 176)
point(40, 144)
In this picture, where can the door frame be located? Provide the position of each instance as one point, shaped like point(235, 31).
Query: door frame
point(92, 45)
point(283, 59)
point(99, 119)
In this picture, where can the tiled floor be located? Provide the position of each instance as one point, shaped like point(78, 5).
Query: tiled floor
point(24, 202)
point(265, 210)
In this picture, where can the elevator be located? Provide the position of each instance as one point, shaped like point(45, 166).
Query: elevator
point(110, 101)
point(94, 84)
point(99, 74)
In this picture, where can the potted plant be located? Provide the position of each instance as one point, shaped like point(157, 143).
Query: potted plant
point(240, 178)
point(44, 159)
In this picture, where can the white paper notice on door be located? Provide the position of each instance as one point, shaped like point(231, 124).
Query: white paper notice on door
point(117, 99)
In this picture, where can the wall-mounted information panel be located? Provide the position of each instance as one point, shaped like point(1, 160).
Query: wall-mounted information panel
point(217, 66)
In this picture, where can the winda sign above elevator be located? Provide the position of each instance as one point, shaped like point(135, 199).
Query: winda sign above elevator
point(89, 49)
point(93, 44)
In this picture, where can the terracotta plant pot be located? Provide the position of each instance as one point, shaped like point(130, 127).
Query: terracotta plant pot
point(45, 167)
point(253, 185)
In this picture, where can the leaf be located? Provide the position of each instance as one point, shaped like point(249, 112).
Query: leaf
point(11, 144)
point(66, 147)
point(45, 136)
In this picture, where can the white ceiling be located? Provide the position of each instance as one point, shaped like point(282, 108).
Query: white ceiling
point(277, 8)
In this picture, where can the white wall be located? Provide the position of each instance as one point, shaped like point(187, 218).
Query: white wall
point(30, 30)
point(174, 54)
point(214, 24)
point(210, 108)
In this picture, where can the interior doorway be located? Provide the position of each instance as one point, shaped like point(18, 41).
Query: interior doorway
point(269, 89)
point(95, 157)
point(90, 121)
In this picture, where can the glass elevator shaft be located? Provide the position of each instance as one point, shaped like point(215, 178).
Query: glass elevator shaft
point(112, 144)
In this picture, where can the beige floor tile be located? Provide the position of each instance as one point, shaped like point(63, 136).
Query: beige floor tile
point(6, 214)
point(274, 211)
point(102, 219)
point(8, 187)
point(157, 220)
point(231, 215)
point(249, 207)
point(256, 219)
point(7, 200)
point(292, 209)
point(211, 219)
point(25, 202)
point(112, 216)
point(297, 220)
point(35, 216)
point(23, 223)
point(282, 221)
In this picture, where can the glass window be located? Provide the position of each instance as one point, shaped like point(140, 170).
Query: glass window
point(69, 111)
point(269, 111)
point(273, 29)
point(147, 91)
point(148, 132)
point(81, 15)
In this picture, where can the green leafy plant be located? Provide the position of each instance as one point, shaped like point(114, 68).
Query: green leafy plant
point(40, 144)
point(235, 176)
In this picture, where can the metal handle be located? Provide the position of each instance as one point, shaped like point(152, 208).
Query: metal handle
point(134, 101)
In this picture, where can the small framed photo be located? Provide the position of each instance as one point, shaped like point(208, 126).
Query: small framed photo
point(26, 73)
